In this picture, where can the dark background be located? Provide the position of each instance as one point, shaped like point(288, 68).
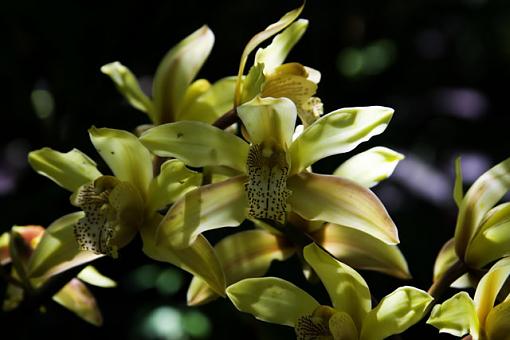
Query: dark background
point(442, 65)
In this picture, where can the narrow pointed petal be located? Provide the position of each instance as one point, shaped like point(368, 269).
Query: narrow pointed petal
point(480, 198)
point(458, 191)
point(128, 86)
point(492, 239)
point(128, 159)
point(272, 300)
point(395, 313)
point(361, 250)
point(176, 71)
point(269, 120)
point(198, 259)
point(76, 297)
point(346, 288)
point(489, 287)
point(90, 275)
point(210, 105)
point(338, 132)
point(445, 259)
point(271, 30)
point(173, 181)
point(213, 206)
point(197, 144)
point(370, 167)
point(274, 54)
point(58, 250)
point(455, 316)
point(70, 170)
point(497, 325)
point(341, 201)
point(243, 255)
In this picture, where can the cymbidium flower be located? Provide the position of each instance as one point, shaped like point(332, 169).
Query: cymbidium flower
point(116, 207)
point(278, 301)
point(248, 254)
point(481, 318)
point(272, 179)
point(175, 96)
point(482, 234)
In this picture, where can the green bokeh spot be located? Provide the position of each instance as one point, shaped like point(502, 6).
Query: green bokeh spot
point(196, 324)
point(169, 281)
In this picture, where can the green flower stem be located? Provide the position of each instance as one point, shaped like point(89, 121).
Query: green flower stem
point(443, 283)
point(227, 119)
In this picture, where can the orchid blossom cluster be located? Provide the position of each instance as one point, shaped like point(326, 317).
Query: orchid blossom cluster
point(238, 151)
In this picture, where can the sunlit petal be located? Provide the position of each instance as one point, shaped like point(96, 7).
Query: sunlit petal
point(271, 299)
point(70, 170)
point(497, 325)
point(445, 259)
point(337, 132)
point(370, 167)
point(395, 313)
point(197, 144)
point(347, 289)
point(341, 201)
point(90, 275)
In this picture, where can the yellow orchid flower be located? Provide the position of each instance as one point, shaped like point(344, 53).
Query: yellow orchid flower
point(175, 95)
point(352, 317)
point(482, 233)
point(115, 208)
point(481, 318)
point(272, 178)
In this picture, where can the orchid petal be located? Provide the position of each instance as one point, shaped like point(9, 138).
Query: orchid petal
point(361, 250)
point(90, 275)
point(370, 167)
point(176, 71)
point(395, 313)
point(193, 92)
point(458, 191)
point(257, 39)
point(269, 121)
point(197, 144)
point(128, 86)
point(337, 132)
point(346, 288)
point(76, 297)
point(209, 207)
point(445, 259)
point(272, 300)
point(341, 201)
point(480, 198)
point(173, 181)
point(497, 325)
point(455, 316)
point(489, 287)
point(58, 250)
point(242, 255)
point(128, 159)
point(69, 170)
point(198, 259)
point(274, 54)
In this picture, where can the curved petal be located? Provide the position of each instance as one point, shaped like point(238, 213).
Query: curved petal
point(70, 170)
point(242, 255)
point(197, 144)
point(361, 250)
point(489, 287)
point(347, 289)
point(213, 206)
point(492, 240)
point(193, 92)
point(370, 167)
point(497, 325)
point(58, 250)
point(272, 300)
point(341, 201)
point(128, 86)
point(90, 275)
point(173, 181)
point(445, 259)
point(257, 39)
point(274, 54)
point(269, 121)
point(395, 313)
point(337, 132)
point(198, 259)
point(480, 198)
point(455, 316)
point(458, 191)
point(128, 159)
point(176, 71)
